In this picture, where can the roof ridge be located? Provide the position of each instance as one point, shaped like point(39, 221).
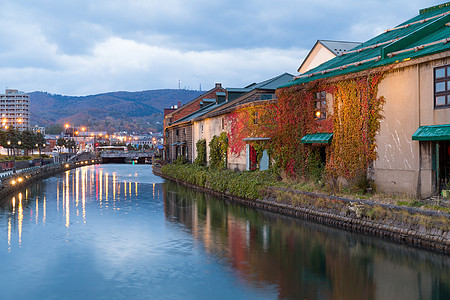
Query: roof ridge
point(433, 8)
point(339, 41)
point(418, 22)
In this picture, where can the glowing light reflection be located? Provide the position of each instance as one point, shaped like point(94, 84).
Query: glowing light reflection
point(9, 234)
point(106, 189)
point(114, 186)
point(57, 196)
point(20, 218)
point(100, 177)
point(83, 193)
point(44, 211)
point(37, 210)
point(66, 201)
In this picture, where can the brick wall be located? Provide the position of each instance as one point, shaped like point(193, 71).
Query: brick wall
point(194, 105)
point(184, 135)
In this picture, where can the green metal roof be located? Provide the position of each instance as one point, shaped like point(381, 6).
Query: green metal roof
point(432, 133)
point(423, 35)
point(317, 138)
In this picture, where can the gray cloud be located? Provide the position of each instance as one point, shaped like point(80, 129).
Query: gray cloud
point(80, 47)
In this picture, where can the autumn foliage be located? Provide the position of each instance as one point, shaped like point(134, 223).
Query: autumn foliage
point(353, 118)
point(357, 115)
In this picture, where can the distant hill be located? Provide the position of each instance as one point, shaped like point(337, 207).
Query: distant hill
point(112, 112)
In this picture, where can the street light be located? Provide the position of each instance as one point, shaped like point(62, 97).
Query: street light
point(40, 156)
point(73, 144)
point(14, 154)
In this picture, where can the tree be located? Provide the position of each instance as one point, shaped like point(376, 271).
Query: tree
point(54, 129)
point(28, 139)
point(3, 139)
point(40, 140)
point(13, 137)
point(71, 145)
point(61, 143)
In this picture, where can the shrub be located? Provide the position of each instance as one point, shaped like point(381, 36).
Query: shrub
point(241, 184)
point(200, 160)
point(218, 148)
point(181, 160)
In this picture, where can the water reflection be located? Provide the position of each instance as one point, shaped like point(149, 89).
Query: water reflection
point(306, 260)
point(107, 232)
point(71, 188)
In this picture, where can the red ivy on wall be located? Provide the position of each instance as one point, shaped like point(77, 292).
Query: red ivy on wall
point(253, 158)
point(357, 115)
point(242, 125)
point(354, 121)
point(295, 119)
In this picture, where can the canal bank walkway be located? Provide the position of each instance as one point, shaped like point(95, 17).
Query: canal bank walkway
point(11, 182)
point(420, 228)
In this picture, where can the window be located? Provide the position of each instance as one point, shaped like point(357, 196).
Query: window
point(255, 117)
point(178, 132)
point(266, 96)
point(223, 123)
point(442, 86)
point(201, 127)
point(320, 110)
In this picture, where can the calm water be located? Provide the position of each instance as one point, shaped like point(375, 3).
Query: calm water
point(119, 232)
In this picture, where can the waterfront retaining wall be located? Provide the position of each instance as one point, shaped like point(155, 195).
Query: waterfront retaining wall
point(416, 227)
point(10, 183)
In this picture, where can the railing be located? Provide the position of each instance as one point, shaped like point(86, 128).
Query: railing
point(47, 167)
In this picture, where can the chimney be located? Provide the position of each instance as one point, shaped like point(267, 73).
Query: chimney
point(218, 85)
point(179, 104)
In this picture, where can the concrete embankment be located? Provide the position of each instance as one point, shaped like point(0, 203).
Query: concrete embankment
point(9, 183)
point(416, 227)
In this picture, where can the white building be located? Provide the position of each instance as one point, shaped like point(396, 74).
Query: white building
point(38, 129)
point(14, 110)
point(323, 51)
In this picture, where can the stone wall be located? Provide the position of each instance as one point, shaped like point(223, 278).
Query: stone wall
point(423, 229)
point(12, 182)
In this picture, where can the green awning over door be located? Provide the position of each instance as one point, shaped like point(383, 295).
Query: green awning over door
point(317, 138)
point(432, 133)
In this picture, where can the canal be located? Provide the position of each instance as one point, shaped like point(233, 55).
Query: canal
point(120, 232)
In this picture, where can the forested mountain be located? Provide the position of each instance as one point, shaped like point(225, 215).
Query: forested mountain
point(115, 111)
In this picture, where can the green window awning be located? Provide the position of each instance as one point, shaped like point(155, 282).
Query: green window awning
point(432, 133)
point(317, 138)
point(175, 144)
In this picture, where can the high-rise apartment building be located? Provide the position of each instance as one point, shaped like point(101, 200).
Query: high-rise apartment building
point(14, 110)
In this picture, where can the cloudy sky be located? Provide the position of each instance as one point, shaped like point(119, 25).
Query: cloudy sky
point(81, 47)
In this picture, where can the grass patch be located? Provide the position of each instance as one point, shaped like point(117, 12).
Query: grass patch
point(437, 207)
point(22, 157)
point(241, 184)
point(414, 203)
point(251, 185)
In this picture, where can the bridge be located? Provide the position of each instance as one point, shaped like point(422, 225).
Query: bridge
point(127, 156)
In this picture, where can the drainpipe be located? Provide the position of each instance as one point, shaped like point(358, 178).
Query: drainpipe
point(419, 175)
point(437, 168)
